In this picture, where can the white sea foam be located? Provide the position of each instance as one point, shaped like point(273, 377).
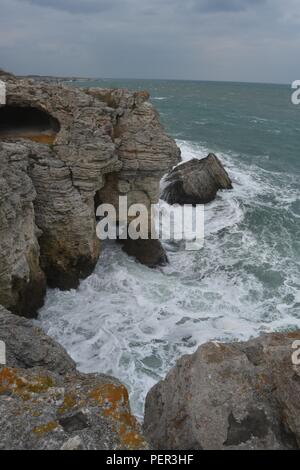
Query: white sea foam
point(134, 322)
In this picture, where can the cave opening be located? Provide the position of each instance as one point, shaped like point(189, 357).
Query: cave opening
point(28, 123)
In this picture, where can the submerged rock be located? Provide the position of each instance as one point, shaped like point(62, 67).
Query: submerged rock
point(229, 396)
point(148, 252)
point(45, 404)
point(196, 181)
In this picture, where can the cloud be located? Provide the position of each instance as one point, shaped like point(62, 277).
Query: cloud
point(77, 6)
point(247, 40)
point(94, 6)
point(227, 5)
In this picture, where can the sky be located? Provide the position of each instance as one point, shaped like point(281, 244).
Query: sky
point(235, 40)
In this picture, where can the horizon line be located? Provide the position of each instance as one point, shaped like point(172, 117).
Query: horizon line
point(74, 77)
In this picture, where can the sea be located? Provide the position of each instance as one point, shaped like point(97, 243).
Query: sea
point(134, 322)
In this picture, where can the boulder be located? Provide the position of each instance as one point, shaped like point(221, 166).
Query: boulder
point(28, 346)
point(229, 396)
point(195, 181)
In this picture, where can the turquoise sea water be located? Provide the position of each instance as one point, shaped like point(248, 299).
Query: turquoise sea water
point(133, 322)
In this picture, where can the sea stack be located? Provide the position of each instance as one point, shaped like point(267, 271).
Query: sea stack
point(196, 181)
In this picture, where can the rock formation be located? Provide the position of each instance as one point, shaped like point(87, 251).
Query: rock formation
point(195, 182)
point(27, 346)
point(147, 252)
point(45, 404)
point(78, 148)
point(229, 396)
point(146, 154)
point(5, 75)
point(22, 282)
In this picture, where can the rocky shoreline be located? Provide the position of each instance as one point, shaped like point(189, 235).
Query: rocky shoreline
point(63, 151)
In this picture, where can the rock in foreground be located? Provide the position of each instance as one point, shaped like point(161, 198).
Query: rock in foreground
point(53, 406)
point(196, 182)
point(229, 396)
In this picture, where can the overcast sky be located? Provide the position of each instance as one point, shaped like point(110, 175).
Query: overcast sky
point(240, 40)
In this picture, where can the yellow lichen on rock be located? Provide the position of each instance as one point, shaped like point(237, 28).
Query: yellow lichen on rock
point(45, 428)
point(68, 403)
point(114, 400)
point(11, 381)
point(110, 397)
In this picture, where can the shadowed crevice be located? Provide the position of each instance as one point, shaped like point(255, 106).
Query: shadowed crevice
point(28, 123)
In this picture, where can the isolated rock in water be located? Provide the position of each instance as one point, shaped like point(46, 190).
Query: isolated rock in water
point(22, 282)
point(229, 396)
point(27, 346)
point(148, 252)
point(195, 181)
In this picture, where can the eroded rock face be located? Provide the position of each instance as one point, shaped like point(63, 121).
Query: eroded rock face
point(105, 143)
point(196, 182)
point(45, 404)
point(144, 150)
point(22, 282)
point(66, 176)
point(229, 396)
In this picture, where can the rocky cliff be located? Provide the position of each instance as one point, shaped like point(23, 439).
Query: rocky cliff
point(68, 150)
point(22, 281)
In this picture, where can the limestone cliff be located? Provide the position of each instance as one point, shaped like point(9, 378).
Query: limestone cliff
point(79, 148)
point(22, 282)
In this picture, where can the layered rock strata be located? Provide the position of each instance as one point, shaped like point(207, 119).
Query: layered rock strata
point(22, 281)
point(103, 144)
